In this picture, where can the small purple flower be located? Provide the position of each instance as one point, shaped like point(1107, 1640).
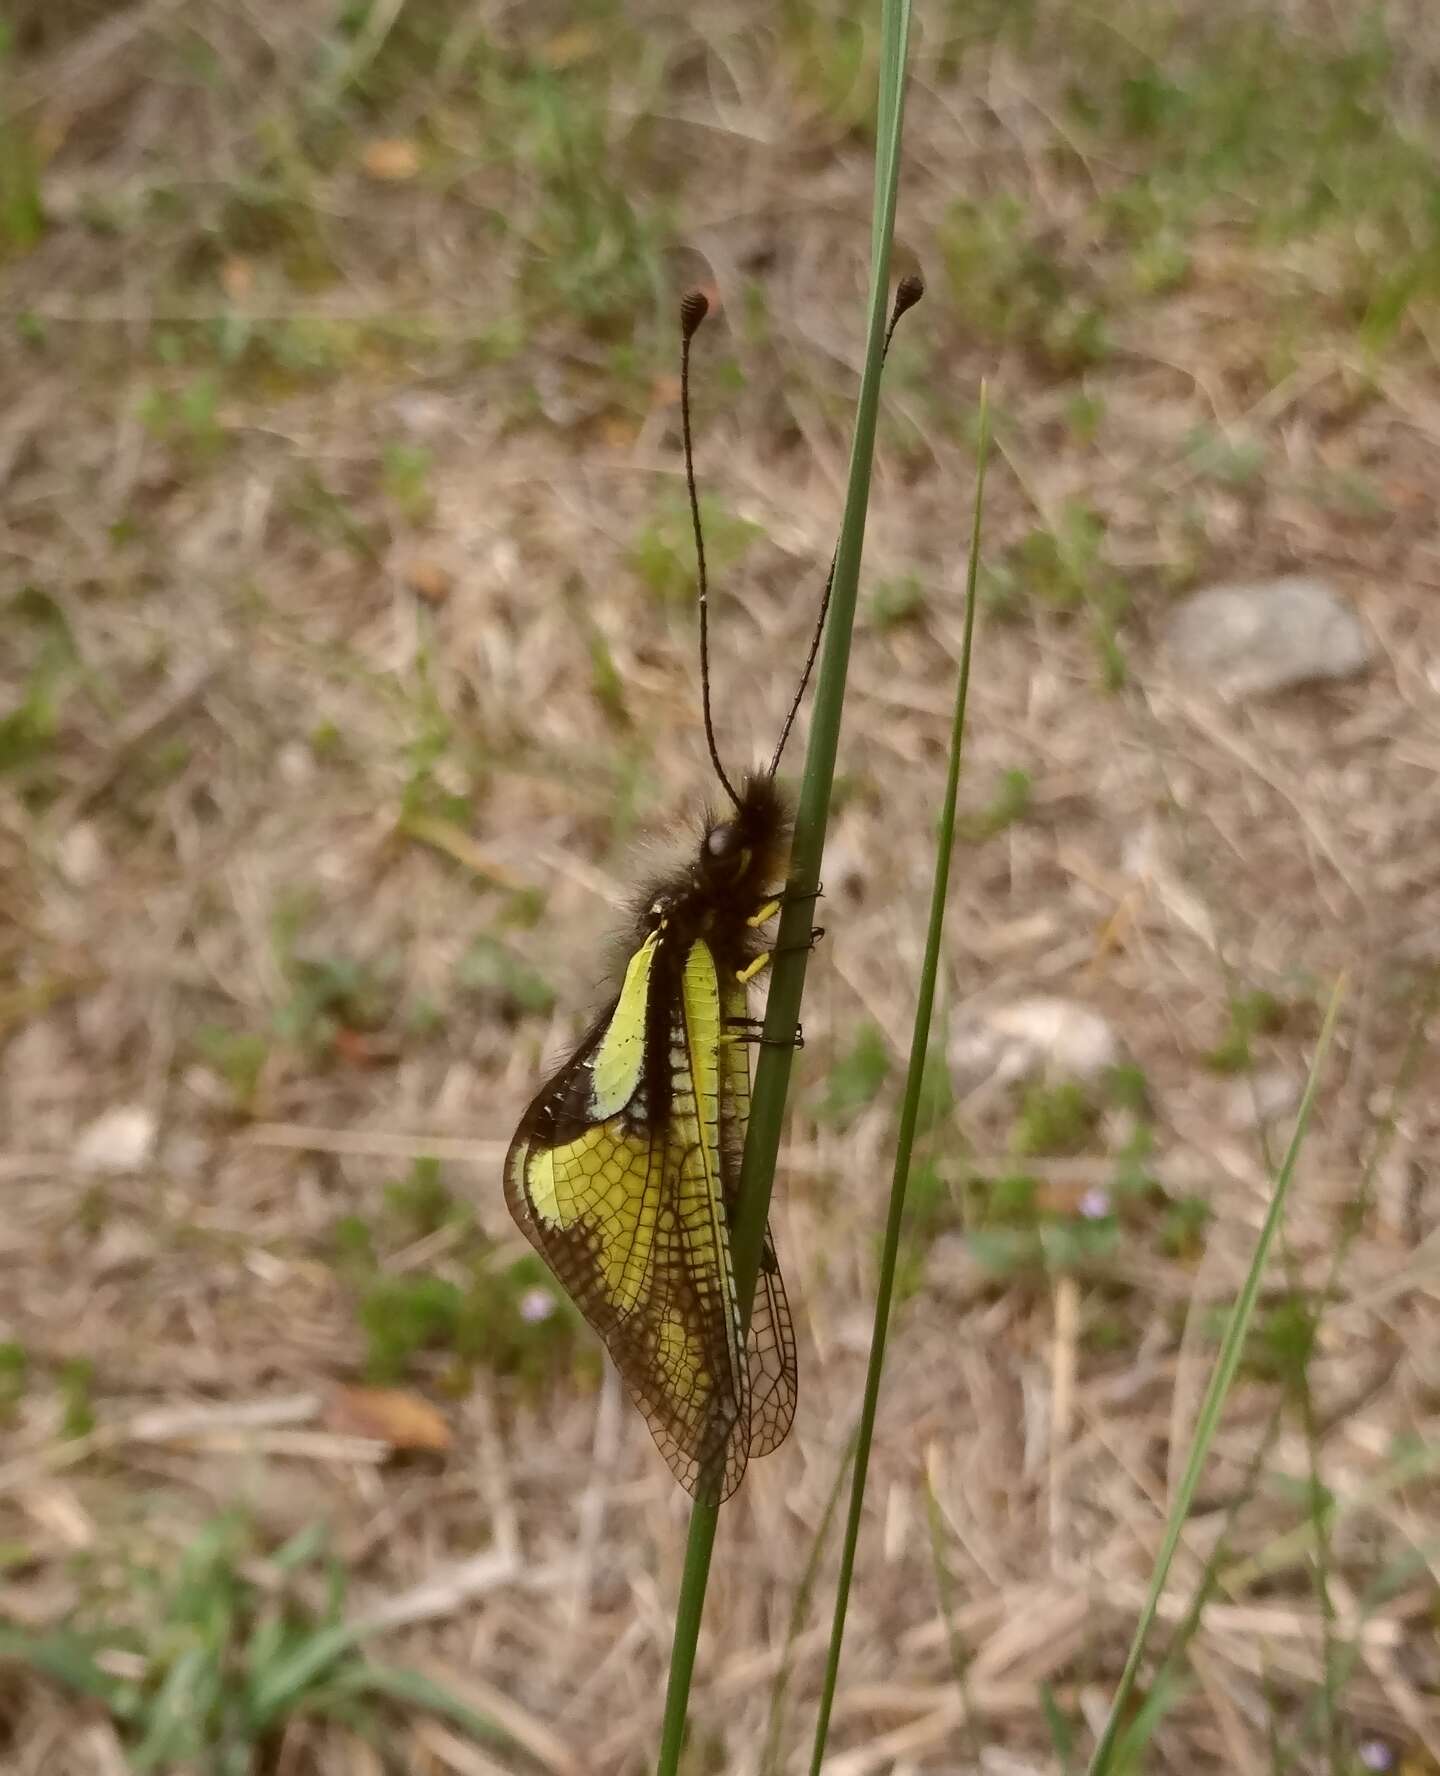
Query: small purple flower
point(1377, 1754)
point(536, 1306)
point(1095, 1205)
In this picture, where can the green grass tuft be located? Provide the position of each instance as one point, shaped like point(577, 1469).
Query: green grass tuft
point(209, 1659)
point(661, 553)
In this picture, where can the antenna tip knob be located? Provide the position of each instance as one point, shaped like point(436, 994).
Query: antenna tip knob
point(694, 306)
point(908, 292)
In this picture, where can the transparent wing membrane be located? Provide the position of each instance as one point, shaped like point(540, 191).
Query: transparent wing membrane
point(634, 1221)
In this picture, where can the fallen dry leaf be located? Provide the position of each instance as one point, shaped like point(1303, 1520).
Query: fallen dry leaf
point(566, 48)
point(428, 580)
point(237, 278)
point(389, 1415)
point(391, 158)
point(357, 1049)
point(618, 431)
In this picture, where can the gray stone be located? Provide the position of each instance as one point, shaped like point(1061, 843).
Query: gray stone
point(1036, 1038)
point(1262, 1099)
point(1245, 640)
point(121, 1139)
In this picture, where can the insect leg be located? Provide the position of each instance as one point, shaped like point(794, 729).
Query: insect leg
point(816, 933)
point(746, 974)
point(762, 915)
point(750, 1028)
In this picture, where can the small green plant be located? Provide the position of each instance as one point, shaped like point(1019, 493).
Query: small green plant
point(1065, 569)
point(936, 1103)
point(1184, 1223)
point(277, 213)
point(187, 416)
point(213, 1657)
point(404, 1316)
point(858, 1077)
point(49, 665)
point(595, 252)
point(14, 1372)
point(327, 741)
point(22, 213)
point(893, 603)
point(931, 1209)
point(1126, 1088)
point(237, 1056)
point(331, 995)
point(1160, 263)
point(1233, 461)
point(930, 1204)
point(76, 1381)
point(510, 1321)
point(1066, 566)
point(328, 516)
point(373, 71)
point(94, 1211)
point(162, 762)
point(524, 908)
point(519, 1323)
point(1054, 567)
point(280, 353)
point(503, 981)
point(1084, 413)
point(661, 553)
point(1015, 1227)
point(1020, 1224)
point(1251, 1014)
point(1011, 284)
point(831, 58)
point(420, 1201)
point(354, 1246)
point(1010, 803)
point(424, 1017)
point(1349, 493)
point(405, 478)
point(606, 684)
point(510, 1318)
point(439, 780)
point(1282, 1340)
point(1054, 1119)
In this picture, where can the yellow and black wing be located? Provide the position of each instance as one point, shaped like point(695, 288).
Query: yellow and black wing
point(770, 1348)
point(630, 1208)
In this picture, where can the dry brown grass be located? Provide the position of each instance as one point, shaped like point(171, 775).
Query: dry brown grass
point(274, 649)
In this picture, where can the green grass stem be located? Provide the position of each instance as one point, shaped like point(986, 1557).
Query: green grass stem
point(909, 1118)
point(787, 983)
point(1232, 1346)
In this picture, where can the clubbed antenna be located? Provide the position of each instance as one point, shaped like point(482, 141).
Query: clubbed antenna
point(907, 293)
point(693, 309)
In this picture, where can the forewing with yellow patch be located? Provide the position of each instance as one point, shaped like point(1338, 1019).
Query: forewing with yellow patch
point(629, 1207)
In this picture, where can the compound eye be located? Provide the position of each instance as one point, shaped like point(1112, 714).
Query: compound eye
point(726, 856)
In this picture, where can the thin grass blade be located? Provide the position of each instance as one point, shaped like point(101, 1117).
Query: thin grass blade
point(782, 1011)
point(909, 1116)
point(1226, 1363)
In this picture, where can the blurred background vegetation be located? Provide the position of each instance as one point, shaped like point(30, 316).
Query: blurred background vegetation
point(347, 657)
